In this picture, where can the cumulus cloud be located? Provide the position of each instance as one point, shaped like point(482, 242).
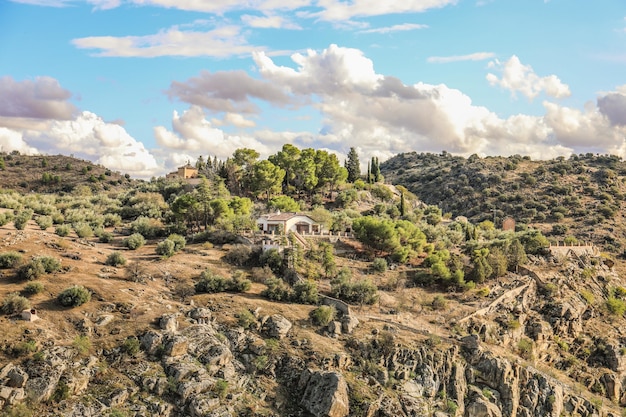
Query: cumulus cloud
point(395, 28)
point(220, 42)
point(227, 91)
point(476, 56)
point(41, 98)
point(613, 106)
point(517, 77)
point(11, 140)
point(193, 133)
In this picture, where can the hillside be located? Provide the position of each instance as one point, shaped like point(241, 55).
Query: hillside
point(580, 197)
point(153, 301)
point(55, 173)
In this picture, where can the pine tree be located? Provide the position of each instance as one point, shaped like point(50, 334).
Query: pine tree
point(353, 165)
point(402, 205)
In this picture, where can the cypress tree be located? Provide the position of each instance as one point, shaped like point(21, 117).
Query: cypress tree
point(353, 165)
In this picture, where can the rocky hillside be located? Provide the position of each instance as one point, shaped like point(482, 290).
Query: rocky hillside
point(546, 341)
point(581, 197)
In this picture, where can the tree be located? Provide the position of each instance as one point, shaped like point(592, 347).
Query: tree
point(353, 165)
point(328, 260)
point(266, 178)
point(375, 170)
point(482, 270)
point(377, 233)
point(516, 255)
point(286, 159)
point(305, 171)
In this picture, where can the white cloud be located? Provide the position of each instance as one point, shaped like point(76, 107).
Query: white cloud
point(396, 28)
point(268, 22)
point(221, 42)
point(336, 10)
point(193, 133)
point(517, 77)
point(476, 56)
point(11, 140)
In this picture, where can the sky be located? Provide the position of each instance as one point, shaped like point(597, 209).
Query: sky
point(143, 86)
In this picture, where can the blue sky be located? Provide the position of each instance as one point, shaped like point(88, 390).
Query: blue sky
point(141, 86)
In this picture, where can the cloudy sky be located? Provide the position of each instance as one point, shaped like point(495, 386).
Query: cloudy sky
point(141, 86)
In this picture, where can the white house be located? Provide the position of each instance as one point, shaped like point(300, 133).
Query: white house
point(286, 222)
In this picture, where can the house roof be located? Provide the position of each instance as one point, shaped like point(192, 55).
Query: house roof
point(281, 217)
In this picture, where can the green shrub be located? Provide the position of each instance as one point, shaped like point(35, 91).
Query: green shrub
point(179, 241)
point(525, 348)
point(33, 288)
point(49, 263)
point(44, 222)
point(439, 302)
point(305, 292)
point(379, 265)
point(74, 296)
point(276, 290)
point(131, 346)
point(246, 319)
point(221, 388)
point(615, 306)
point(360, 292)
point(147, 227)
point(323, 315)
point(587, 296)
point(211, 283)
point(134, 241)
point(82, 344)
point(166, 248)
point(14, 303)
point(62, 230)
point(238, 283)
point(105, 237)
point(31, 270)
point(83, 230)
point(22, 219)
point(9, 259)
point(239, 255)
point(115, 259)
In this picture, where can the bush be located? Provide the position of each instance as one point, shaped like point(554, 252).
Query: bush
point(323, 315)
point(14, 303)
point(276, 290)
point(360, 292)
point(33, 288)
point(105, 237)
point(115, 259)
point(147, 227)
point(44, 222)
point(166, 248)
point(616, 306)
point(82, 344)
point(305, 292)
point(31, 270)
point(379, 265)
point(134, 241)
point(131, 346)
point(211, 283)
point(179, 241)
point(62, 230)
point(83, 230)
point(49, 263)
point(22, 219)
point(239, 255)
point(74, 296)
point(9, 259)
point(439, 303)
point(246, 319)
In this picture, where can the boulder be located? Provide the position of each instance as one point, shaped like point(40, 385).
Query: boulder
point(151, 341)
point(169, 322)
point(276, 326)
point(176, 346)
point(348, 323)
point(325, 394)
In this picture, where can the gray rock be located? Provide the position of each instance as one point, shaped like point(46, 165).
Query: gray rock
point(17, 378)
point(169, 322)
point(151, 341)
point(348, 324)
point(176, 346)
point(277, 326)
point(325, 394)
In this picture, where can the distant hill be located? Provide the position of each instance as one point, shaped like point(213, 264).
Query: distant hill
point(55, 173)
point(581, 197)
